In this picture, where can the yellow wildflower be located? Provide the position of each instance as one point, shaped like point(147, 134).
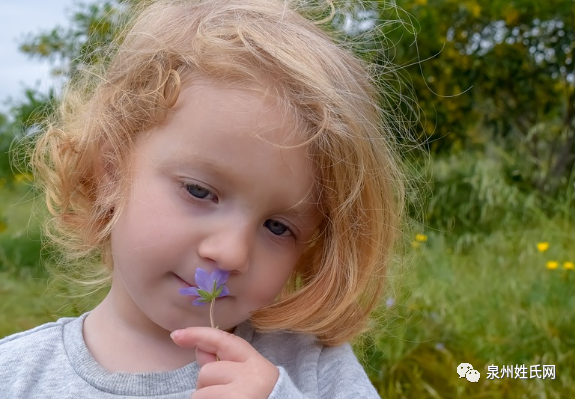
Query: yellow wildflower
point(568, 265)
point(420, 238)
point(542, 246)
point(552, 265)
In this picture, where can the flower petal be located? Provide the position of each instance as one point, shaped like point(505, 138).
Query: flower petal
point(225, 292)
point(203, 279)
point(220, 277)
point(193, 291)
point(199, 302)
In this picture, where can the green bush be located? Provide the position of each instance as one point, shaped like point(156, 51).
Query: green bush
point(472, 195)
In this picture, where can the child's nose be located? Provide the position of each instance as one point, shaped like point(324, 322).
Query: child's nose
point(228, 245)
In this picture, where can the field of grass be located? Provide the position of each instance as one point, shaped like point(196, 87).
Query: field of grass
point(497, 300)
point(496, 304)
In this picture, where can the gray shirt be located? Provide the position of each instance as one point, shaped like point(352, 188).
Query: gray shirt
point(52, 361)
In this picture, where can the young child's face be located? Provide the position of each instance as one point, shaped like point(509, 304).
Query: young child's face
point(211, 188)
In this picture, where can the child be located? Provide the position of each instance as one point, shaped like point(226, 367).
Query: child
point(228, 135)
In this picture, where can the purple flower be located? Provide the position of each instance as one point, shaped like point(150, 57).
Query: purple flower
point(210, 286)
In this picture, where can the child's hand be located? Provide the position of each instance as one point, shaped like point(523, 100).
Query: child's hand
point(241, 371)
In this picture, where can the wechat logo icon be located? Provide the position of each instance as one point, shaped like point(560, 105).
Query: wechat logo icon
point(466, 370)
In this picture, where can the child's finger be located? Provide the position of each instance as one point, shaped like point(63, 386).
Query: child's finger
point(224, 345)
point(217, 373)
point(215, 391)
point(204, 358)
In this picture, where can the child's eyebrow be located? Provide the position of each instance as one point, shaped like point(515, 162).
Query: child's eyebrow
point(304, 212)
point(305, 207)
point(199, 161)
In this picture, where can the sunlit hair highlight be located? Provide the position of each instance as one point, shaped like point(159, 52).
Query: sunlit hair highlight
point(81, 161)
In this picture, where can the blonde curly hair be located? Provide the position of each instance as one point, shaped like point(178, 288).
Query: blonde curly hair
point(340, 276)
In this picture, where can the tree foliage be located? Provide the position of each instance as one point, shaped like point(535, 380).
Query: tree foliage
point(492, 70)
point(68, 49)
point(82, 42)
point(483, 70)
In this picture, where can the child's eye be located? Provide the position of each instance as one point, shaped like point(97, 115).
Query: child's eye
point(277, 228)
point(197, 191)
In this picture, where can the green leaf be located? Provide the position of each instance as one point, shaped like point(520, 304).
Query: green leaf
point(206, 296)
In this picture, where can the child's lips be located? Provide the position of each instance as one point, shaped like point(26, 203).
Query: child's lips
point(184, 282)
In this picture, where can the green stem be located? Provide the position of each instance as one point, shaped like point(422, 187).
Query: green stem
point(212, 312)
point(212, 319)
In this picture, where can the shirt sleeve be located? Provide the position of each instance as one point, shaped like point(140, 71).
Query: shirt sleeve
point(339, 376)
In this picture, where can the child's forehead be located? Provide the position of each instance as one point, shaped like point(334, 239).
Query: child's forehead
point(249, 101)
point(259, 85)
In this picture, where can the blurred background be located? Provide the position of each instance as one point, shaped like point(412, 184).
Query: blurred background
point(483, 93)
point(20, 20)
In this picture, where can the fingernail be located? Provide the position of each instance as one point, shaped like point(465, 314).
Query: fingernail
point(176, 334)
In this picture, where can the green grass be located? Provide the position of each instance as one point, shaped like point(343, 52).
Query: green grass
point(489, 301)
point(495, 304)
point(26, 297)
point(20, 243)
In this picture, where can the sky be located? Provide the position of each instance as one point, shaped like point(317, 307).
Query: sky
point(17, 18)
